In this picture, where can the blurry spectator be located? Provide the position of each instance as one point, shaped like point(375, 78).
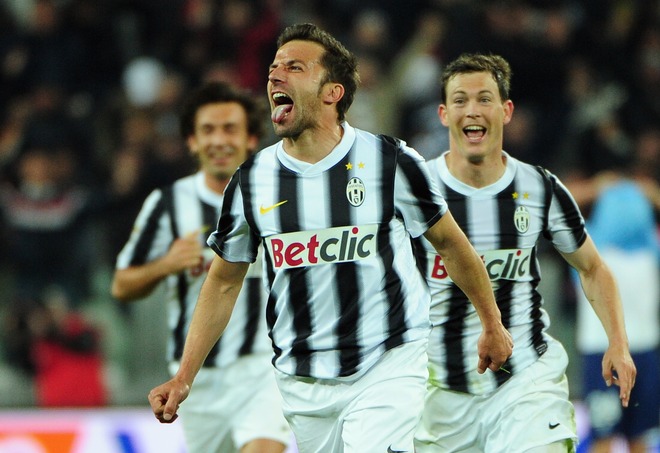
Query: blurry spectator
point(416, 68)
point(46, 216)
point(256, 43)
point(646, 168)
point(50, 124)
point(623, 227)
point(241, 31)
point(371, 34)
point(643, 108)
point(66, 355)
point(373, 107)
point(55, 55)
point(101, 66)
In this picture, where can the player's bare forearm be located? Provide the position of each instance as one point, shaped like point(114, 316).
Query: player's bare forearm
point(600, 289)
point(212, 313)
point(136, 282)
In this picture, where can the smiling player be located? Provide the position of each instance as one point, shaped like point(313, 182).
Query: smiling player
point(505, 206)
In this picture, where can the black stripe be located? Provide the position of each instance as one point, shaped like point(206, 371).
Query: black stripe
point(243, 176)
point(146, 239)
point(506, 207)
point(346, 280)
point(421, 257)
point(396, 320)
point(540, 345)
point(571, 212)
point(299, 292)
point(453, 341)
point(417, 179)
point(252, 286)
point(270, 322)
point(508, 238)
point(226, 220)
point(458, 307)
point(547, 197)
point(181, 283)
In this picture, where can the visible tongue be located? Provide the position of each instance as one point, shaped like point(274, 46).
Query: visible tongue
point(475, 135)
point(280, 112)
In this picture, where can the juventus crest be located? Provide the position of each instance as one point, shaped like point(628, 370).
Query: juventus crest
point(521, 219)
point(355, 191)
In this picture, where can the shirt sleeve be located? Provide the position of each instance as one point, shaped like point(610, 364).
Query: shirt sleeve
point(233, 240)
point(151, 235)
point(417, 197)
point(566, 225)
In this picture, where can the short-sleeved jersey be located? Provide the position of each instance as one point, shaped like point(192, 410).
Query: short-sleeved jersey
point(504, 222)
point(189, 206)
point(337, 252)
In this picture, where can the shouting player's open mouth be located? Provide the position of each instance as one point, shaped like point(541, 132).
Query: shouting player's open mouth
point(283, 105)
point(474, 133)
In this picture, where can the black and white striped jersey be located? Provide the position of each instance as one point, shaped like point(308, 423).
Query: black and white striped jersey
point(185, 207)
point(504, 223)
point(337, 252)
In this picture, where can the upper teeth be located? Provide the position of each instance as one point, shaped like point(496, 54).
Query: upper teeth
point(473, 128)
point(279, 95)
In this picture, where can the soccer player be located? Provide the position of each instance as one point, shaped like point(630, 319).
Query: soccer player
point(234, 405)
point(505, 206)
point(334, 208)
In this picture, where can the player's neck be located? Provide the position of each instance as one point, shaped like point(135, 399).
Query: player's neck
point(315, 144)
point(217, 185)
point(475, 172)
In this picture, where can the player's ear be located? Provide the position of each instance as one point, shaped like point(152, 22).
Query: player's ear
point(442, 114)
point(508, 111)
point(333, 92)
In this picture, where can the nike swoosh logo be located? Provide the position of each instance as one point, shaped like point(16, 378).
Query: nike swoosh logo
point(389, 450)
point(553, 425)
point(267, 209)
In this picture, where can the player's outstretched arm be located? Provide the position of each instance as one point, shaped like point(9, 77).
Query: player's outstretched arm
point(600, 288)
point(214, 306)
point(467, 270)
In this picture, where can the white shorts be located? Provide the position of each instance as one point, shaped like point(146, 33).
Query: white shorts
point(530, 410)
point(228, 407)
point(378, 412)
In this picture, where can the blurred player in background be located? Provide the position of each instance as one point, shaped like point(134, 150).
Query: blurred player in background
point(234, 405)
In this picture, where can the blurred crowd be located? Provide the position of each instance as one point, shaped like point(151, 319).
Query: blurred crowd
point(90, 92)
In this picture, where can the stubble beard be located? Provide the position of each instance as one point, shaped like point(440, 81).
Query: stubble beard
point(295, 129)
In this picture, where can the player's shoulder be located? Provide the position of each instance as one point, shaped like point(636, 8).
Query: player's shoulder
point(262, 157)
point(184, 185)
point(529, 170)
